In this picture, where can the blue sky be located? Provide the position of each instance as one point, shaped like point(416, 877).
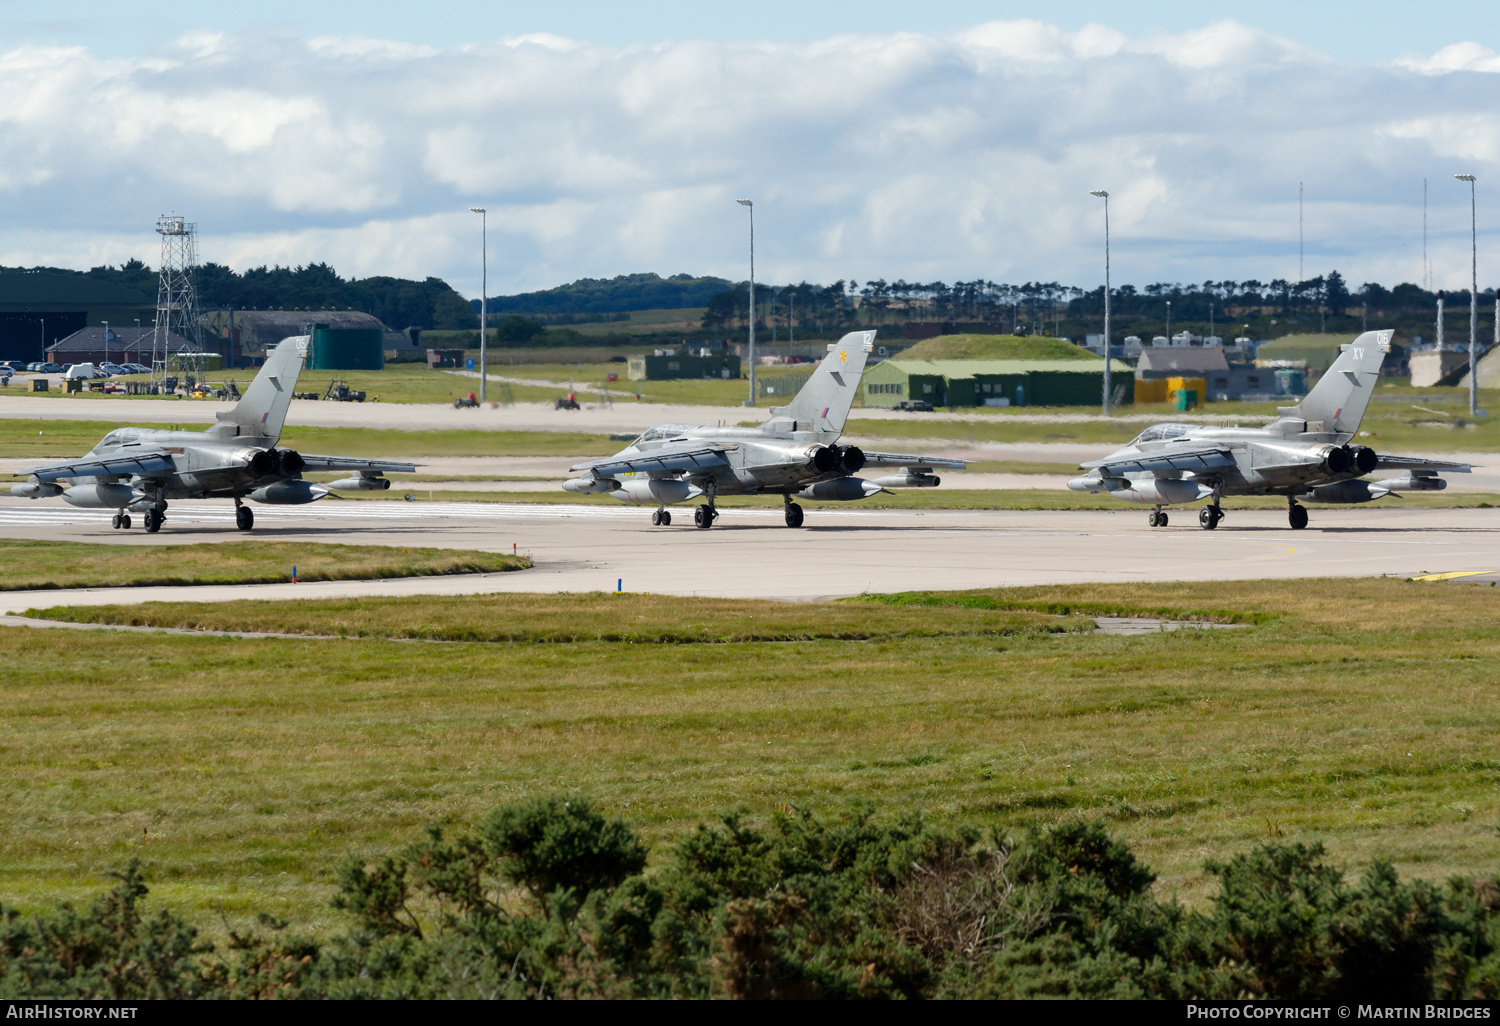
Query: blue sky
point(1372, 31)
point(935, 141)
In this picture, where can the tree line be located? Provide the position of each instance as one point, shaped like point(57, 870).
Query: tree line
point(603, 296)
point(397, 302)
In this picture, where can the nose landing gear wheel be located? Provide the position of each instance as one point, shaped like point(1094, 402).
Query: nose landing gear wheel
point(1297, 517)
point(1208, 518)
point(244, 518)
point(703, 517)
point(793, 515)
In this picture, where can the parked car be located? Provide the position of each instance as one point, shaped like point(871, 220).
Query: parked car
point(137, 368)
point(48, 368)
point(14, 366)
point(112, 368)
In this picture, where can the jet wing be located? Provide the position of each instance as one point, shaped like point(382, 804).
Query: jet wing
point(145, 463)
point(1417, 463)
point(897, 459)
point(1164, 459)
point(348, 463)
point(668, 459)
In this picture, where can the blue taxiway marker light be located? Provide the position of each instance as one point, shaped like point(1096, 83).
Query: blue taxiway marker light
point(294, 575)
point(620, 584)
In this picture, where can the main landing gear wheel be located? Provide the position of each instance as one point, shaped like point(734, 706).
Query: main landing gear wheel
point(793, 515)
point(703, 517)
point(117, 521)
point(1297, 517)
point(125, 521)
point(153, 520)
point(1209, 517)
point(661, 518)
point(244, 518)
point(1158, 518)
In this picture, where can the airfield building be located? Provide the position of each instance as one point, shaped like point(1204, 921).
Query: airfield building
point(991, 382)
point(38, 308)
point(120, 345)
point(670, 364)
point(249, 334)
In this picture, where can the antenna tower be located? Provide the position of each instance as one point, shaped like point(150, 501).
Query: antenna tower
point(177, 302)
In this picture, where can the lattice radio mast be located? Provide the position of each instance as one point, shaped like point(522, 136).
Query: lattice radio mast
point(177, 302)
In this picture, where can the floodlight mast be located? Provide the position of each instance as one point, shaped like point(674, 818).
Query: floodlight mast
point(751, 206)
point(1473, 297)
point(1102, 194)
point(484, 288)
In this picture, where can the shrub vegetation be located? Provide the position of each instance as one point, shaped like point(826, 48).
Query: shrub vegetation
point(547, 898)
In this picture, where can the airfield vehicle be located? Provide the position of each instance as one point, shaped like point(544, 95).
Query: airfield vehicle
point(1305, 453)
point(139, 469)
point(794, 454)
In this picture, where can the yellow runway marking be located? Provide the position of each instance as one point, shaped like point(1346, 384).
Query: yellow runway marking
point(1275, 555)
point(1451, 575)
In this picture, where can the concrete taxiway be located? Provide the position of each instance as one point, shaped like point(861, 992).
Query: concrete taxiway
point(750, 553)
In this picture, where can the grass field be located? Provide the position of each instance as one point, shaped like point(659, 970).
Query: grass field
point(1362, 713)
point(49, 564)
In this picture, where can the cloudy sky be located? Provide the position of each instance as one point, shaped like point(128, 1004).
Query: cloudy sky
point(956, 141)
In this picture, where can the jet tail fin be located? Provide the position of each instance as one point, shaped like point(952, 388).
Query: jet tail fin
point(1337, 402)
point(261, 411)
point(822, 404)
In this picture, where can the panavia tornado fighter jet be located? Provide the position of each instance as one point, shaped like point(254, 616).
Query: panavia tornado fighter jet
point(139, 469)
point(1304, 453)
point(795, 454)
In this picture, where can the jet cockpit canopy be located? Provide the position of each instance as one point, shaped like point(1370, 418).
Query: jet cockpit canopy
point(1161, 433)
point(662, 432)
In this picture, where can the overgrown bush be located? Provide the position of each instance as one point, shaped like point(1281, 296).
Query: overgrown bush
point(549, 898)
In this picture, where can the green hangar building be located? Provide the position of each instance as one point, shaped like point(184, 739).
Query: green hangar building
point(993, 382)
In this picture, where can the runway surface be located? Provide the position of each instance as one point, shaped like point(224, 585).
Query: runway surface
point(751, 554)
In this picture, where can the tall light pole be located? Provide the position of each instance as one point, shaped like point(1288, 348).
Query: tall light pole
point(484, 288)
point(1473, 298)
point(1105, 197)
point(748, 203)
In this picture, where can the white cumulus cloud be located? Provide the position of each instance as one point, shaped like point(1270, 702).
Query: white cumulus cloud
point(911, 155)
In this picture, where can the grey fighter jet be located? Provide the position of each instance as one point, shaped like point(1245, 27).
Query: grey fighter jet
point(795, 454)
point(1304, 453)
point(139, 469)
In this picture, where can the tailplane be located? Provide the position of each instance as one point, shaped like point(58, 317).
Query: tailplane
point(1337, 403)
point(261, 412)
point(822, 404)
